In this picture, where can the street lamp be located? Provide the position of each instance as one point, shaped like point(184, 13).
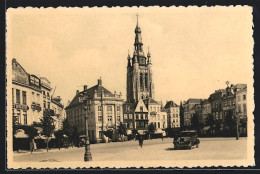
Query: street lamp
point(87, 155)
point(237, 122)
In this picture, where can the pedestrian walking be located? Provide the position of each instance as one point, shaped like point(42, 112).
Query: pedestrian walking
point(162, 137)
point(34, 145)
point(31, 146)
point(141, 141)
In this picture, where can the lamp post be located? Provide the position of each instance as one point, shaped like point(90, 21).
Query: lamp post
point(237, 123)
point(87, 155)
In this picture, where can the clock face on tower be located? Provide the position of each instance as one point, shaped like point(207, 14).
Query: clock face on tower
point(142, 61)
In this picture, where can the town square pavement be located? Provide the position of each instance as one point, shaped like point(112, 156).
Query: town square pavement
point(155, 149)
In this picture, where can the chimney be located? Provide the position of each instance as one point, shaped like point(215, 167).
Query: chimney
point(77, 91)
point(100, 82)
point(85, 87)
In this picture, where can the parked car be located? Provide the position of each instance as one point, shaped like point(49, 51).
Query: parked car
point(82, 140)
point(188, 138)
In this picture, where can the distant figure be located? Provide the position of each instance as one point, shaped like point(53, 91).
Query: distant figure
point(34, 146)
point(141, 141)
point(162, 137)
point(31, 146)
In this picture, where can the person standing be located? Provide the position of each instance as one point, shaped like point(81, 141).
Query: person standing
point(141, 141)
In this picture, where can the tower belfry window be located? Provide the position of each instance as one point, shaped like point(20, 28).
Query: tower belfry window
point(141, 80)
point(146, 81)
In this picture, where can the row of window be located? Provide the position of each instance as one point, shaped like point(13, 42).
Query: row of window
point(175, 121)
point(153, 109)
point(173, 115)
point(18, 118)
point(243, 97)
point(141, 124)
point(109, 118)
point(158, 125)
point(244, 108)
point(109, 108)
point(44, 94)
point(18, 96)
point(17, 93)
point(44, 105)
point(175, 110)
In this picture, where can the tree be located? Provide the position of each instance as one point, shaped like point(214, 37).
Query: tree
point(30, 131)
point(47, 125)
point(122, 129)
point(218, 126)
point(230, 122)
point(66, 128)
point(195, 121)
point(210, 121)
point(151, 128)
point(15, 129)
point(59, 137)
point(75, 135)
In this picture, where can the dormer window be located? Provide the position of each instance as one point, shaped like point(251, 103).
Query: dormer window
point(141, 108)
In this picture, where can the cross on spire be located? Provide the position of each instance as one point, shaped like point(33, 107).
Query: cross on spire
point(137, 18)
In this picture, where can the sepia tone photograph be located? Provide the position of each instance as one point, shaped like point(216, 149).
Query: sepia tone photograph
point(130, 87)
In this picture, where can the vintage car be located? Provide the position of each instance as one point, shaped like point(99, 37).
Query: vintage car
point(188, 138)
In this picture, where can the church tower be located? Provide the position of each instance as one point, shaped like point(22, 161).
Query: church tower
point(139, 71)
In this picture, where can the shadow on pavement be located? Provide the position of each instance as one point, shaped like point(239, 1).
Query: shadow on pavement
point(169, 149)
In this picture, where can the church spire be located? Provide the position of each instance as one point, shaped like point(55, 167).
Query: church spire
point(129, 59)
point(138, 38)
point(149, 57)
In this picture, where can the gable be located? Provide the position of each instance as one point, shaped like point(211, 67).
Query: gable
point(139, 105)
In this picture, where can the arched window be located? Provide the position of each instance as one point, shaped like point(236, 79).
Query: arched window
point(146, 80)
point(141, 80)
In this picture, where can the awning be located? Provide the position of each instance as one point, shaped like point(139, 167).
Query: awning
point(21, 134)
point(206, 128)
point(81, 136)
point(128, 132)
point(40, 137)
point(158, 131)
point(141, 132)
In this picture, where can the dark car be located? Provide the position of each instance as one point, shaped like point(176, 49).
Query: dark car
point(187, 139)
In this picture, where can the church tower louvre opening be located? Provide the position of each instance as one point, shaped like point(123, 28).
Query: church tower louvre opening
point(139, 71)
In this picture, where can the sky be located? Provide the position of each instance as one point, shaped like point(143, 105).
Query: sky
point(194, 51)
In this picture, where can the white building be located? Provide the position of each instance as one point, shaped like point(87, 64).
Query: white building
point(26, 96)
point(102, 108)
point(173, 114)
point(241, 108)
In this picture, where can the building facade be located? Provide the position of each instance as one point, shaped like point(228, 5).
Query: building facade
point(241, 108)
point(189, 111)
point(102, 109)
point(26, 96)
point(156, 114)
point(57, 111)
point(31, 96)
point(206, 110)
point(46, 90)
point(241, 102)
point(173, 114)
